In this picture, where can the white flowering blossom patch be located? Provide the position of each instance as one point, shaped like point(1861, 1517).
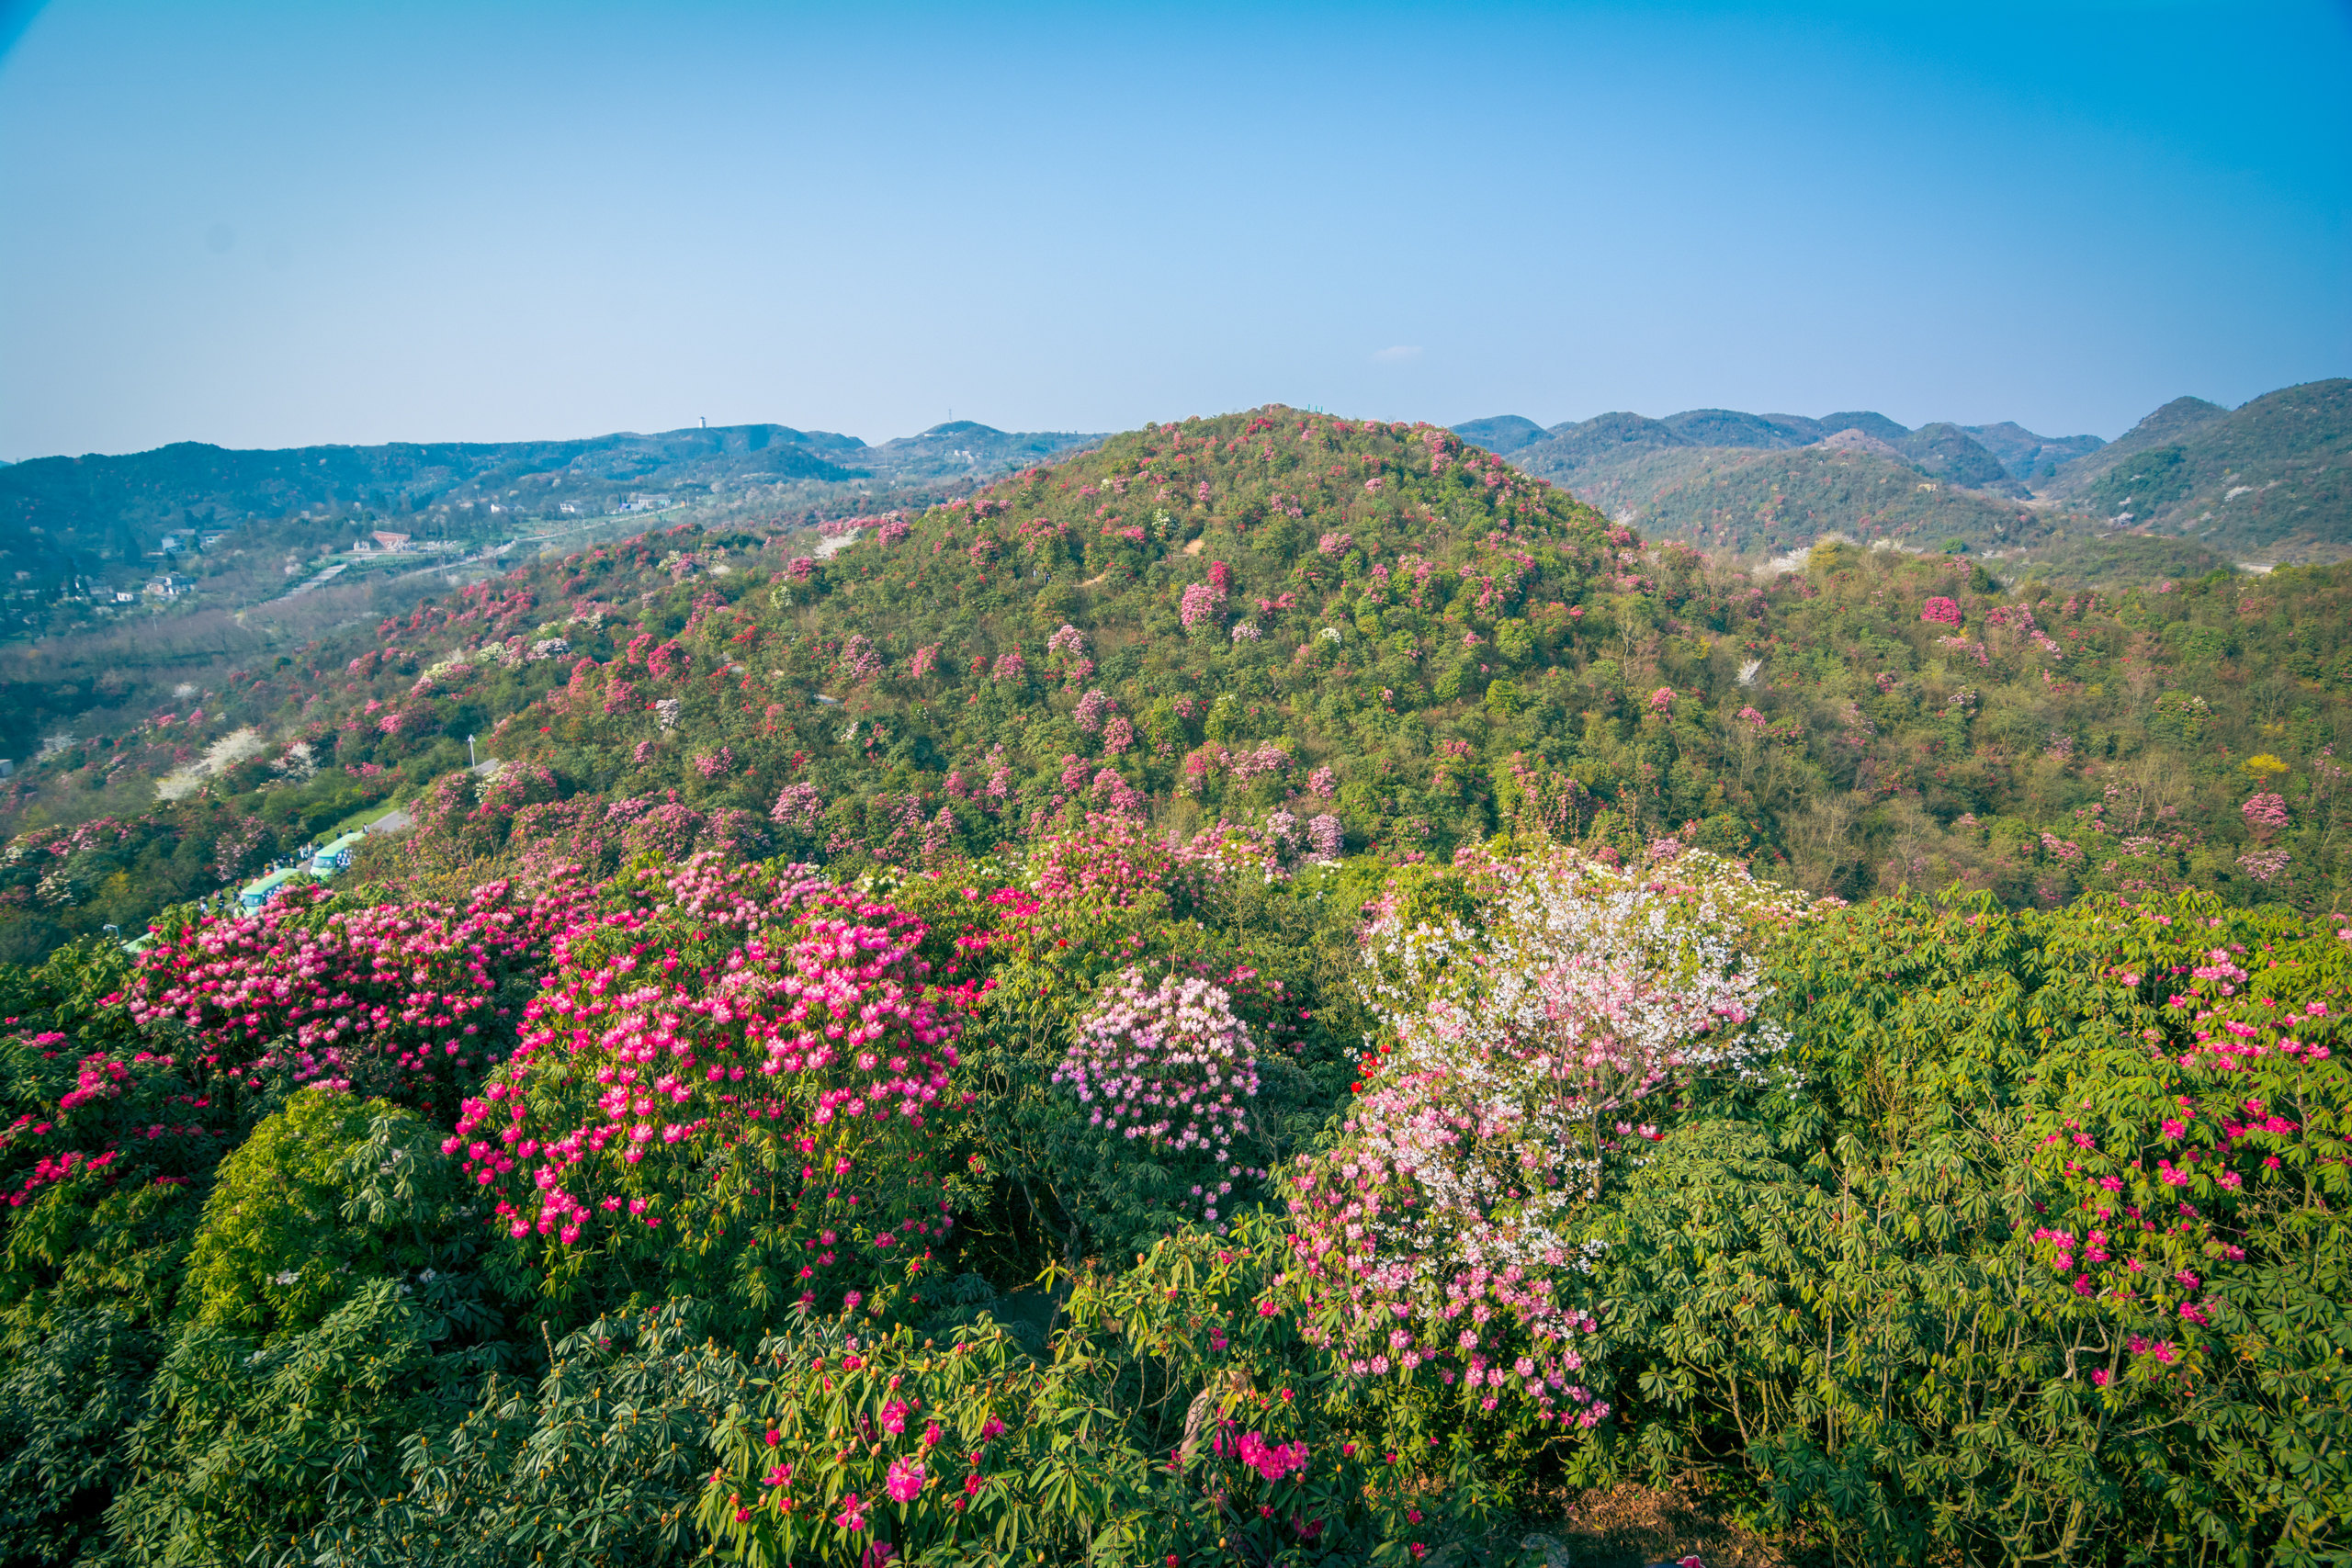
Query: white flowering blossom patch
point(1514, 1048)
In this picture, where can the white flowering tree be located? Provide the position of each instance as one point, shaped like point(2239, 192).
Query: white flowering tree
point(1519, 1039)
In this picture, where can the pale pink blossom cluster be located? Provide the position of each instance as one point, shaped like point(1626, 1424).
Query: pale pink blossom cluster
point(1169, 1067)
point(1199, 605)
point(2264, 813)
point(799, 805)
point(859, 662)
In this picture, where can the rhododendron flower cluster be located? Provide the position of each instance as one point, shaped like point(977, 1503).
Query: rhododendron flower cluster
point(1435, 1234)
point(1109, 860)
point(733, 1047)
point(799, 805)
point(2189, 1181)
point(1940, 611)
point(1272, 1460)
point(1169, 1067)
point(412, 1001)
point(1200, 603)
point(2265, 814)
point(130, 1118)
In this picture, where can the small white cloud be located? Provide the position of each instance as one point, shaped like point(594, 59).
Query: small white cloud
point(1403, 353)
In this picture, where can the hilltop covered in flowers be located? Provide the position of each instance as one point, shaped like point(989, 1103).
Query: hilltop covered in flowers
point(1366, 635)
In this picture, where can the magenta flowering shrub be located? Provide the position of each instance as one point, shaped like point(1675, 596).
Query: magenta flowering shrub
point(1941, 610)
point(108, 1120)
point(1170, 1068)
point(410, 1002)
point(731, 1056)
point(2231, 1139)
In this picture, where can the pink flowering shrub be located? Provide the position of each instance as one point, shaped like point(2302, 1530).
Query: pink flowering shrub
point(410, 1002)
point(2203, 1164)
point(1107, 860)
point(105, 1118)
point(2265, 814)
point(798, 806)
point(1199, 605)
point(730, 1055)
point(1431, 1242)
point(878, 1445)
point(1940, 611)
point(1170, 1069)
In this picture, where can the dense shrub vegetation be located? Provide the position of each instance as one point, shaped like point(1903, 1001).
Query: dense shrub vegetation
point(1102, 1088)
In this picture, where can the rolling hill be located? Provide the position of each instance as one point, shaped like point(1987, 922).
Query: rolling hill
point(2266, 482)
point(1747, 482)
point(1263, 618)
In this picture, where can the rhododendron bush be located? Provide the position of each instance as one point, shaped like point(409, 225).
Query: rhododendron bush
point(1176, 1415)
point(413, 1002)
point(2199, 1159)
point(2044, 1254)
point(1170, 1067)
point(1516, 1043)
point(735, 1075)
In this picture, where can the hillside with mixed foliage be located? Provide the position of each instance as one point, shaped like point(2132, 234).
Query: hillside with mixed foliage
point(1271, 613)
point(72, 527)
point(1276, 991)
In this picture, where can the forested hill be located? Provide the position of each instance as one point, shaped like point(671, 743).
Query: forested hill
point(1258, 615)
point(1726, 480)
point(2271, 480)
point(2262, 483)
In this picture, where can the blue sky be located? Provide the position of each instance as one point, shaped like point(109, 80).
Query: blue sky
point(271, 225)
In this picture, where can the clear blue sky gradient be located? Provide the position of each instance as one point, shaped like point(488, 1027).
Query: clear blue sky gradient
point(272, 225)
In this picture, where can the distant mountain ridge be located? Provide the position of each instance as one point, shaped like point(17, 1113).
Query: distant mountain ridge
point(2268, 481)
point(60, 516)
point(1729, 479)
point(2264, 483)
